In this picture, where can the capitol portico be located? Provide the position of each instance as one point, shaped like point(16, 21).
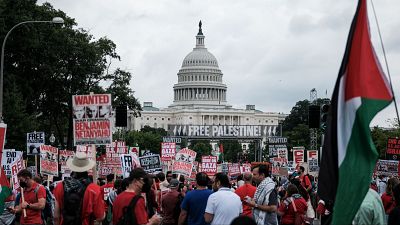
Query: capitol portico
point(200, 99)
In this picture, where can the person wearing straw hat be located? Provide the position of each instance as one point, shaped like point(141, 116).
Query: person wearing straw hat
point(78, 199)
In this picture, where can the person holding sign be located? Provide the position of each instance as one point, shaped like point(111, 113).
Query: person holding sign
point(33, 199)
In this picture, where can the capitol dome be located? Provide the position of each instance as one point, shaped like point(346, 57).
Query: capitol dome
point(200, 79)
point(200, 57)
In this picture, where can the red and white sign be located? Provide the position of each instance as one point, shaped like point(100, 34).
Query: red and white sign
point(245, 168)
point(298, 156)
point(278, 163)
point(209, 165)
point(113, 158)
point(16, 166)
point(184, 162)
point(234, 169)
point(134, 150)
point(64, 156)
point(92, 119)
point(49, 160)
point(168, 151)
point(312, 160)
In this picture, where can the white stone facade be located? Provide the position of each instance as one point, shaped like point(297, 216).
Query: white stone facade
point(200, 98)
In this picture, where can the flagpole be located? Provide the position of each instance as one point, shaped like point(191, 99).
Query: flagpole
point(386, 63)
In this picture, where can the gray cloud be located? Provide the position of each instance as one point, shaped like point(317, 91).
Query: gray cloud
point(272, 53)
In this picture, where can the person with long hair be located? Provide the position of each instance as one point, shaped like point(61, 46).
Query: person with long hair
point(394, 216)
point(387, 197)
point(293, 200)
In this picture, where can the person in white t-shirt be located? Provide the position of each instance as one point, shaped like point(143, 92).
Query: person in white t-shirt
point(223, 205)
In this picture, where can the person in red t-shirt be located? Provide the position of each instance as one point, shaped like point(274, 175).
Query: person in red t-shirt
point(286, 209)
point(305, 181)
point(137, 184)
point(92, 203)
point(105, 190)
point(34, 199)
point(246, 190)
point(387, 196)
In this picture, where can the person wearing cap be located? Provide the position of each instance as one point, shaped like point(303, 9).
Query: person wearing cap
point(170, 202)
point(92, 204)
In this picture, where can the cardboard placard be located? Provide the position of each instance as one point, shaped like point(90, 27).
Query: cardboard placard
point(49, 160)
point(209, 165)
point(33, 142)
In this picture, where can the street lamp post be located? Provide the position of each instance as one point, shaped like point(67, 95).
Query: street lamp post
point(55, 20)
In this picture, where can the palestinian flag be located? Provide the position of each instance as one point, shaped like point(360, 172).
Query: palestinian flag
point(349, 155)
point(5, 189)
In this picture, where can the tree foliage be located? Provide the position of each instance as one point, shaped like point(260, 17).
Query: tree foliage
point(232, 148)
point(202, 147)
point(48, 63)
point(147, 138)
point(295, 126)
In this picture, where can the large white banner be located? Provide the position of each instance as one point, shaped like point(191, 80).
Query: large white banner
point(92, 119)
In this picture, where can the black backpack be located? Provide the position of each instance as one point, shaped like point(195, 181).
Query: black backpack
point(129, 218)
point(73, 201)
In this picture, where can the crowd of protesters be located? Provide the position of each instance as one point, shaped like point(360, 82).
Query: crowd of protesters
point(254, 197)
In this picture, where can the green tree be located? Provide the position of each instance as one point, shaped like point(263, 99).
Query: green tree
point(232, 148)
point(380, 138)
point(295, 126)
point(49, 63)
point(202, 147)
point(147, 138)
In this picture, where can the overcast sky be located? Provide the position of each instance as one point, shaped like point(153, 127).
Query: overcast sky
point(271, 52)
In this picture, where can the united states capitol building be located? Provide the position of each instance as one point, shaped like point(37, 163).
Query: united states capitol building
point(200, 100)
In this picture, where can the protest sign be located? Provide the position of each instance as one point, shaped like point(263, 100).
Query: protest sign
point(387, 168)
point(183, 162)
point(245, 168)
point(233, 169)
point(33, 170)
point(168, 151)
point(49, 160)
point(224, 168)
point(113, 159)
point(151, 163)
point(291, 167)
point(209, 165)
point(33, 142)
point(16, 166)
point(312, 160)
point(277, 147)
point(277, 164)
point(135, 150)
point(393, 149)
point(64, 156)
point(298, 155)
point(9, 156)
point(92, 119)
point(127, 163)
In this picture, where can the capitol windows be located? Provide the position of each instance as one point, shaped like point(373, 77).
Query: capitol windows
point(148, 118)
point(190, 118)
point(169, 119)
point(162, 118)
point(155, 118)
point(247, 119)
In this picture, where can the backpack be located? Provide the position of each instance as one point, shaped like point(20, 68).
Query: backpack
point(129, 218)
point(48, 211)
point(73, 201)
